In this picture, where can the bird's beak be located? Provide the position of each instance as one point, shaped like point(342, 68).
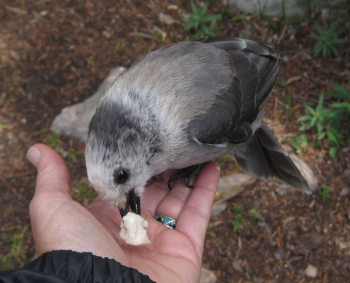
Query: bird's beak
point(132, 202)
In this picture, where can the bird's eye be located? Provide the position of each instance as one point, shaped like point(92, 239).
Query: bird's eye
point(120, 176)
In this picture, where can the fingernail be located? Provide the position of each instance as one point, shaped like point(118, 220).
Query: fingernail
point(33, 155)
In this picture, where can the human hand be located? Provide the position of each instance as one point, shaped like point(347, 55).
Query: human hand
point(60, 223)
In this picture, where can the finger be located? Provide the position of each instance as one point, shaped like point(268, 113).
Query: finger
point(163, 177)
point(152, 197)
point(194, 219)
point(174, 201)
point(106, 214)
point(155, 192)
point(52, 173)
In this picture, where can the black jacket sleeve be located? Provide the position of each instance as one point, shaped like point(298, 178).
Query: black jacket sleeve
point(69, 266)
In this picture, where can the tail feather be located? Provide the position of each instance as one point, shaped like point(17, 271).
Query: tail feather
point(264, 157)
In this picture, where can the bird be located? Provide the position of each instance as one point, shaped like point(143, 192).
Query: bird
point(180, 107)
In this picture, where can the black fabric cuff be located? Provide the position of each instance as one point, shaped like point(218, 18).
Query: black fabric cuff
point(68, 266)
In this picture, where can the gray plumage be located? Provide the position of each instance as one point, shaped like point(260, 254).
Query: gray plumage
point(182, 105)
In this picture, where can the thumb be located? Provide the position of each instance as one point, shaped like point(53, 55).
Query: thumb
point(53, 175)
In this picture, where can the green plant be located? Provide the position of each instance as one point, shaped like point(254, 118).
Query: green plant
point(340, 91)
point(293, 21)
point(281, 83)
point(16, 80)
point(239, 18)
point(68, 39)
point(238, 208)
point(315, 118)
point(330, 123)
point(243, 35)
point(16, 254)
point(173, 36)
point(319, 118)
point(299, 142)
point(158, 37)
point(200, 22)
point(325, 193)
point(286, 99)
point(136, 33)
point(42, 131)
point(339, 115)
point(2, 126)
point(255, 215)
point(53, 140)
point(73, 154)
point(212, 225)
point(272, 25)
point(226, 160)
point(91, 61)
point(238, 222)
point(87, 191)
point(118, 47)
point(326, 41)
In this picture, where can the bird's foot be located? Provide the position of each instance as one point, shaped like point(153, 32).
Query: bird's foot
point(188, 174)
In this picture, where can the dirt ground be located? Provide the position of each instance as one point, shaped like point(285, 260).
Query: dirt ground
point(56, 53)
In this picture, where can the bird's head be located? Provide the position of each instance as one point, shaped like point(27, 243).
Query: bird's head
point(118, 157)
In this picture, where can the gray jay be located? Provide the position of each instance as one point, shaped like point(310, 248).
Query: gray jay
point(181, 106)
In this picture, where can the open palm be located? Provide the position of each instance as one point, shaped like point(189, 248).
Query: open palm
point(60, 223)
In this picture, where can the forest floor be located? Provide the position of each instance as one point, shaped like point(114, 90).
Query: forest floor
point(56, 53)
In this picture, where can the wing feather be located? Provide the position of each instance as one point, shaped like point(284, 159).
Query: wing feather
point(255, 67)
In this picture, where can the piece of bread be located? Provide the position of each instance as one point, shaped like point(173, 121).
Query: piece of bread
point(132, 230)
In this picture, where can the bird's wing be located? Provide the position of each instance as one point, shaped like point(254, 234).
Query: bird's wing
point(263, 156)
point(254, 68)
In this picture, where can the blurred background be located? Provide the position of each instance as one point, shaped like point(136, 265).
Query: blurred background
point(56, 53)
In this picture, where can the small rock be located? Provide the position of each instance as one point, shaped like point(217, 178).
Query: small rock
point(106, 33)
point(237, 266)
point(310, 271)
point(74, 120)
point(232, 185)
point(325, 14)
point(172, 7)
point(14, 55)
point(343, 244)
point(3, 43)
point(218, 208)
point(344, 192)
point(166, 19)
point(275, 7)
point(15, 10)
point(207, 276)
point(310, 242)
point(278, 255)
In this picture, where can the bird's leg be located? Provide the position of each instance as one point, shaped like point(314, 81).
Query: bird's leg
point(188, 174)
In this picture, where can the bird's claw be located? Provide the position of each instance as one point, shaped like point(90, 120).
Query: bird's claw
point(188, 175)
